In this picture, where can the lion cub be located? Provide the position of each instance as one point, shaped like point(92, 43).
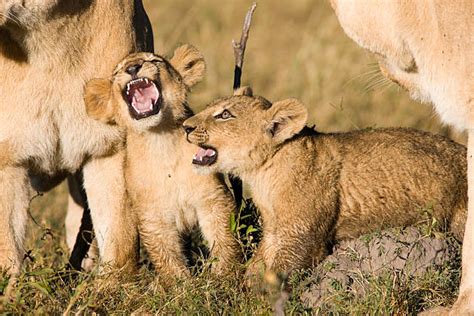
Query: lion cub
point(315, 189)
point(147, 96)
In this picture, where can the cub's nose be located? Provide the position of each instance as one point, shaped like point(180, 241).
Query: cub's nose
point(188, 129)
point(133, 70)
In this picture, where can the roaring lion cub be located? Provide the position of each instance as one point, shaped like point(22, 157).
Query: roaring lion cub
point(314, 189)
point(147, 95)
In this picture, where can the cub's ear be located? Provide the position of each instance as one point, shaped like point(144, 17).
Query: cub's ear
point(287, 118)
point(98, 100)
point(190, 64)
point(247, 91)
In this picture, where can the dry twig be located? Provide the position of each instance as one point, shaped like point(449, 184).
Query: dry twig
point(239, 47)
point(239, 52)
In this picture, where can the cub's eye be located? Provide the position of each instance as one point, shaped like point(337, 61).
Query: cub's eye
point(224, 115)
point(156, 61)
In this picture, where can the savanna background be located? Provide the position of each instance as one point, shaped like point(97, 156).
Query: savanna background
point(295, 49)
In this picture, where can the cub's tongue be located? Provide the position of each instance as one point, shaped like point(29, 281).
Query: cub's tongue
point(144, 97)
point(205, 157)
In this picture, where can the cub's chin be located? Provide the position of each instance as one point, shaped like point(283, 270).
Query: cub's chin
point(204, 170)
point(145, 124)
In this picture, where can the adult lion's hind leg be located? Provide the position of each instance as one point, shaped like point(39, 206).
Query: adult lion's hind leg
point(114, 224)
point(15, 195)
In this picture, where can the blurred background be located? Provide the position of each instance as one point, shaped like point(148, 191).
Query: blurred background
point(295, 49)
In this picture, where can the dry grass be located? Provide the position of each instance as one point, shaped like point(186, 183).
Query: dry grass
point(296, 49)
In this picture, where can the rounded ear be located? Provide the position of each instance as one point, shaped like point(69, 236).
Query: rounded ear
point(247, 91)
point(98, 100)
point(287, 118)
point(190, 64)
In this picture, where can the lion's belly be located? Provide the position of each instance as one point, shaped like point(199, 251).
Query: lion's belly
point(26, 122)
point(82, 137)
point(50, 130)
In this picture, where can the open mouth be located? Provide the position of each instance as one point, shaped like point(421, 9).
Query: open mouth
point(205, 156)
point(143, 98)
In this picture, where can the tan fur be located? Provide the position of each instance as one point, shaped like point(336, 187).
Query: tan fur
point(167, 197)
point(5, 154)
point(48, 50)
point(426, 47)
point(315, 189)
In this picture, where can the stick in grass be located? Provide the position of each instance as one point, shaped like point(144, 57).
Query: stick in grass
point(239, 47)
point(239, 52)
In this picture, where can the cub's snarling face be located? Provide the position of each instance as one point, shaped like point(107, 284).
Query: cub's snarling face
point(146, 91)
point(239, 133)
point(24, 12)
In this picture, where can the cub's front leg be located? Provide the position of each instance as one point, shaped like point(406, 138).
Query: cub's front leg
point(214, 210)
point(290, 243)
point(285, 252)
point(163, 243)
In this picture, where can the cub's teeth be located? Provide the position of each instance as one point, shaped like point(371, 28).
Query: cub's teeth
point(195, 157)
point(146, 80)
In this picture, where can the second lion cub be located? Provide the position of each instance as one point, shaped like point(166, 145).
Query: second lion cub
point(147, 96)
point(314, 189)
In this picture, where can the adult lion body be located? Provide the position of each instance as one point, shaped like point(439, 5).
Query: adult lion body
point(427, 47)
point(48, 50)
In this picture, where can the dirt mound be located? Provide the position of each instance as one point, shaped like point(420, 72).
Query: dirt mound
point(402, 253)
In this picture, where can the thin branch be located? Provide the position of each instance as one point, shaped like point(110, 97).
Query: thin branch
point(239, 47)
point(239, 51)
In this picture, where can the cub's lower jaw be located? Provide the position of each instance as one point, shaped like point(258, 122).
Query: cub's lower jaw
point(143, 97)
point(206, 156)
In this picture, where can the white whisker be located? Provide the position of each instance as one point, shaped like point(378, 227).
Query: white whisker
point(10, 17)
point(369, 73)
point(14, 18)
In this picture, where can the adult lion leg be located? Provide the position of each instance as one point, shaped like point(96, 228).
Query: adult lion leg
point(114, 224)
point(15, 195)
point(465, 302)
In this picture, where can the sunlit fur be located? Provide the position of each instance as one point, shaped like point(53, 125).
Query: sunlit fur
point(48, 50)
point(427, 48)
point(315, 189)
point(167, 197)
